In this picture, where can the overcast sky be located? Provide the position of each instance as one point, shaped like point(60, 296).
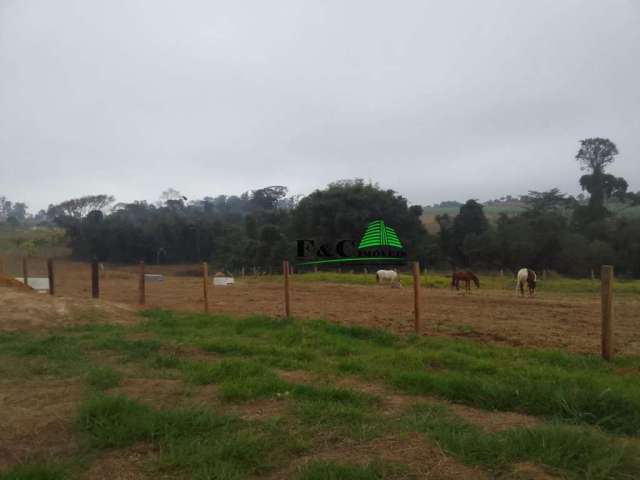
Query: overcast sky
point(435, 99)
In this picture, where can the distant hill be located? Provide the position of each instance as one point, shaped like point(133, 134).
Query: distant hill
point(491, 211)
point(510, 206)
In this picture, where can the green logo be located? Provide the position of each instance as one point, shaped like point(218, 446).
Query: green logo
point(379, 244)
point(378, 234)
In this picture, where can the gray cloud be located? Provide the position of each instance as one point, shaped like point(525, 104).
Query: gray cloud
point(437, 100)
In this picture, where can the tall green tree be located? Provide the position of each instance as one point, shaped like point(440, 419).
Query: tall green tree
point(594, 156)
point(344, 208)
point(550, 200)
point(471, 220)
point(80, 207)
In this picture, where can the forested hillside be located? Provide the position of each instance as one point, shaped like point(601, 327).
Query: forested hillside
point(260, 228)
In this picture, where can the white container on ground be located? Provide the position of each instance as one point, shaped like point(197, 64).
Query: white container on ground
point(37, 283)
point(153, 277)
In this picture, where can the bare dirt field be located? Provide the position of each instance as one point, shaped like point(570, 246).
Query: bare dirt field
point(551, 320)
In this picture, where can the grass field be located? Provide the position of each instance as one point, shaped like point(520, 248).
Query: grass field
point(45, 242)
point(564, 314)
point(189, 395)
point(555, 284)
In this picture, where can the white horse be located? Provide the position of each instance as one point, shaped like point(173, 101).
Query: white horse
point(528, 276)
point(390, 276)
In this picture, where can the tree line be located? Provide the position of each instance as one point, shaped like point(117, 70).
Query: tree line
point(260, 228)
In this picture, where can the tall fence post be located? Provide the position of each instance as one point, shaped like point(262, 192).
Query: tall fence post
point(142, 295)
point(606, 295)
point(285, 271)
point(95, 279)
point(205, 285)
point(25, 271)
point(51, 276)
point(416, 296)
point(1, 267)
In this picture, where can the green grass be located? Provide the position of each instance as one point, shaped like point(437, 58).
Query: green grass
point(103, 378)
point(66, 352)
point(573, 452)
point(165, 361)
point(340, 471)
point(590, 409)
point(203, 442)
point(571, 387)
point(28, 355)
point(317, 406)
point(238, 380)
point(36, 471)
point(488, 280)
point(131, 349)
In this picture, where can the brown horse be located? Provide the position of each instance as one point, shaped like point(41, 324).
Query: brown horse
point(466, 277)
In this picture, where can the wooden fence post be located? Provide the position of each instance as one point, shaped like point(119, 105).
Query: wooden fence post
point(95, 279)
point(205, 285)
point(142, 298)
point(285, 271)
point(606, 295)
point(1, 267)
point(25, 271)
point(416, 296)
point(50, 273)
